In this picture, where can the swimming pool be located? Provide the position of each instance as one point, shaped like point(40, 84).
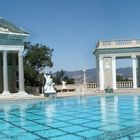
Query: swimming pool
point(73, 118)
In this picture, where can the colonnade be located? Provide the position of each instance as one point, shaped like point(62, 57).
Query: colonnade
point(5, 73)
point(113, 70)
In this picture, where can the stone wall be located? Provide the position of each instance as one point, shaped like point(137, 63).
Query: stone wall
point(107, 66)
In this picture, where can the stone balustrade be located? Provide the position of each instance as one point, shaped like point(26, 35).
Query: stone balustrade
point(77, 87)
point(119, 43)
point(80, 87)
point(89, 86)
point(69, 87)
point(92, 85)
point(125, 84)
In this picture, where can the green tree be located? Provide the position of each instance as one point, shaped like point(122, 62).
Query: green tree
point(37, 56)
point(59, 76)
point(121, 78)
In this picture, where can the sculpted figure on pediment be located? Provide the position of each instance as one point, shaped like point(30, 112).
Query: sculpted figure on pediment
point(4, 30)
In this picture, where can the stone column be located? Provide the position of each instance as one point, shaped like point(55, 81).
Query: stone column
point(101, 73)
point(114, 72)
point(1, 73)
point(134, 65)
point(21, 73)
point(5, 74)
point(138, 71)
point(97, 71)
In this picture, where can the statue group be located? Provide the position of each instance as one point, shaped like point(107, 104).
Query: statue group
point(63, 85)
point(49, 85)
point(49, 90)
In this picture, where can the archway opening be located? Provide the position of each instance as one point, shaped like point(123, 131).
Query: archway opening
point(124, 77)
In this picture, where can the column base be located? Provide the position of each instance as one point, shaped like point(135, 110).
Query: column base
point(22, 93)
point(101, 89)
point(42, 95)
point(6, 93)
point(114, 88)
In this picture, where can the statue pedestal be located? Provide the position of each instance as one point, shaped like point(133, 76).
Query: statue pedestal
point(50, 95)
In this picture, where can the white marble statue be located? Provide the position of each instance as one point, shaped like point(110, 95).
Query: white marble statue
point(48, 87)
point(63, 85)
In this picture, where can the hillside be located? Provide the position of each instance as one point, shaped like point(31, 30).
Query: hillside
point(91, 74)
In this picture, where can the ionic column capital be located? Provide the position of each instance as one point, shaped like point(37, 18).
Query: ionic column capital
point(113, 57)
point(101, 57)
point(133, 56)
point(4, 53)
point(20, 53)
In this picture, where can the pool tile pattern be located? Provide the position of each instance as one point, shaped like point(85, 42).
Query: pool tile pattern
point(75, 118)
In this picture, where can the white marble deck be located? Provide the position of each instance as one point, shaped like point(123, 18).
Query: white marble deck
point(17, 96)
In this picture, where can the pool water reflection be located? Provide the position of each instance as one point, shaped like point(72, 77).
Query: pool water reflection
point(104, 117)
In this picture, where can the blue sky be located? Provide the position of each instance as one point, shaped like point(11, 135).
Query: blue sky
point(73, 27)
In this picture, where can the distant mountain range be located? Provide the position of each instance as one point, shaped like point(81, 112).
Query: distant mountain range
point(91, 75)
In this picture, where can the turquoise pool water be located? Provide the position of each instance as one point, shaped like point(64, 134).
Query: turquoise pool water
point(74, 118)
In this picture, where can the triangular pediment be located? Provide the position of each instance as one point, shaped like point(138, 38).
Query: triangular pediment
point(6, 26)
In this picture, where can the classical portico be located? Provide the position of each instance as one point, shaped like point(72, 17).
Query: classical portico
point(107, 52)
point(11, 58)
